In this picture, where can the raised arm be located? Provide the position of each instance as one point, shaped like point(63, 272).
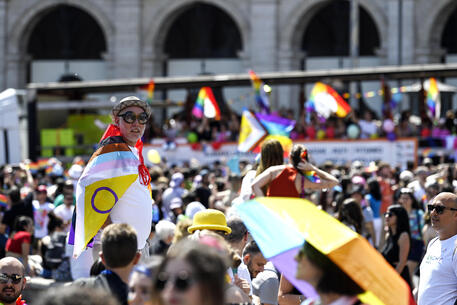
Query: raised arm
point(264, 178)
point(327, 180)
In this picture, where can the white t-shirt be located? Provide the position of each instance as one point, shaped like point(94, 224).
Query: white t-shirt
point(135, 209)
point(242, 273)
point(246, 185)
point(40, 216)
point(65, 213)
point(438, 270)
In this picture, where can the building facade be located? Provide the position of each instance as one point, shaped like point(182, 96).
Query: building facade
point(41, 40)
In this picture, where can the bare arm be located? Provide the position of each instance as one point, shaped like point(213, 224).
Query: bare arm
point(25, 248)
point(403, 245)
point(263, 179)
point(327, 180)
point(284, 295)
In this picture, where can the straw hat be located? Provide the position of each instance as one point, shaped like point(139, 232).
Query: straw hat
point(210, 219)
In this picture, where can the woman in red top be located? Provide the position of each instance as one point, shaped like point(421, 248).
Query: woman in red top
point(283, 179)
point(18, 245)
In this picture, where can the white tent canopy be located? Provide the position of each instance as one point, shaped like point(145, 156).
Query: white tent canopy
point(416, 87)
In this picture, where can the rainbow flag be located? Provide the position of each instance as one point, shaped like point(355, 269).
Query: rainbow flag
point(312, 176)
point(42, 163)
point(433, 99)
point(206, 105)
point(33, 167)
point(278, 128)
point(276, 125)
point(326, 101)
point(150, 90)
point(3, 201)
point(109, 173)
point(261, 96)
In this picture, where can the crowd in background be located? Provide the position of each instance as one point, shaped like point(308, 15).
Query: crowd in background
point(357, 125)
point(38, 207)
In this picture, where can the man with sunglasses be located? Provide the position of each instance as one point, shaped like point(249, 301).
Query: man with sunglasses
point(12, 281)
point(438, 270)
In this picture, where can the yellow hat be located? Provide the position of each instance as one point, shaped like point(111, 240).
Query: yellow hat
point(210, 219)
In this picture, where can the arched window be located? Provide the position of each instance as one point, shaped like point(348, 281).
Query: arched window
point(327, 34)
point(449, 35)
point(66, 32)
point(203, 31)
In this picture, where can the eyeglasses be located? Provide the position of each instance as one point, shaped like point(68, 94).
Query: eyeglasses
point(15, 278)
point(438, 208)
point(130, 117)
point(388, 214)
point(181, 282)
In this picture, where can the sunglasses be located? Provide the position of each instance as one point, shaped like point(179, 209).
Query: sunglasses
point(15, 278)
point(438, 208)
point(130, 117)
point(181, 282)
point(388, 214)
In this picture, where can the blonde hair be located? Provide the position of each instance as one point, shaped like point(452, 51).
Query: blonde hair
point(181, 229)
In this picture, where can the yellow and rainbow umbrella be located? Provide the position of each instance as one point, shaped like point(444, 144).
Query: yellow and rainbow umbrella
point(281, 225)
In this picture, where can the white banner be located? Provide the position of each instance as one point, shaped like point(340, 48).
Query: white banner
point(396, 153)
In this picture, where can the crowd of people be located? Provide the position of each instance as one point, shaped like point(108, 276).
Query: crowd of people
point(357, 125)
point(172, 235)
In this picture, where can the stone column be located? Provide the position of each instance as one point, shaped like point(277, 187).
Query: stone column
point(127, 40)
point(393, 30)
point(3, 41)
point(264, 27)
point(288, 96)
point(263, 50)
point(12, 69)
point(408, 33)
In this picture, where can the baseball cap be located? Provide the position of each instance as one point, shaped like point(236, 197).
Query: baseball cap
point(131, 101)
point(176, 180)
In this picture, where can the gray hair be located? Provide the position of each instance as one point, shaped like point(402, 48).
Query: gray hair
point(165, 229)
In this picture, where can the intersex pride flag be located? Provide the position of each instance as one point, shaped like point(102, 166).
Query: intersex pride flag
point(109, 173)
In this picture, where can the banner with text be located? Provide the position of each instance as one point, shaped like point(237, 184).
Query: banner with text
point(396, 153)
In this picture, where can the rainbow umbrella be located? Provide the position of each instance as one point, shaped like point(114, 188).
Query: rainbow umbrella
point(280, 227)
